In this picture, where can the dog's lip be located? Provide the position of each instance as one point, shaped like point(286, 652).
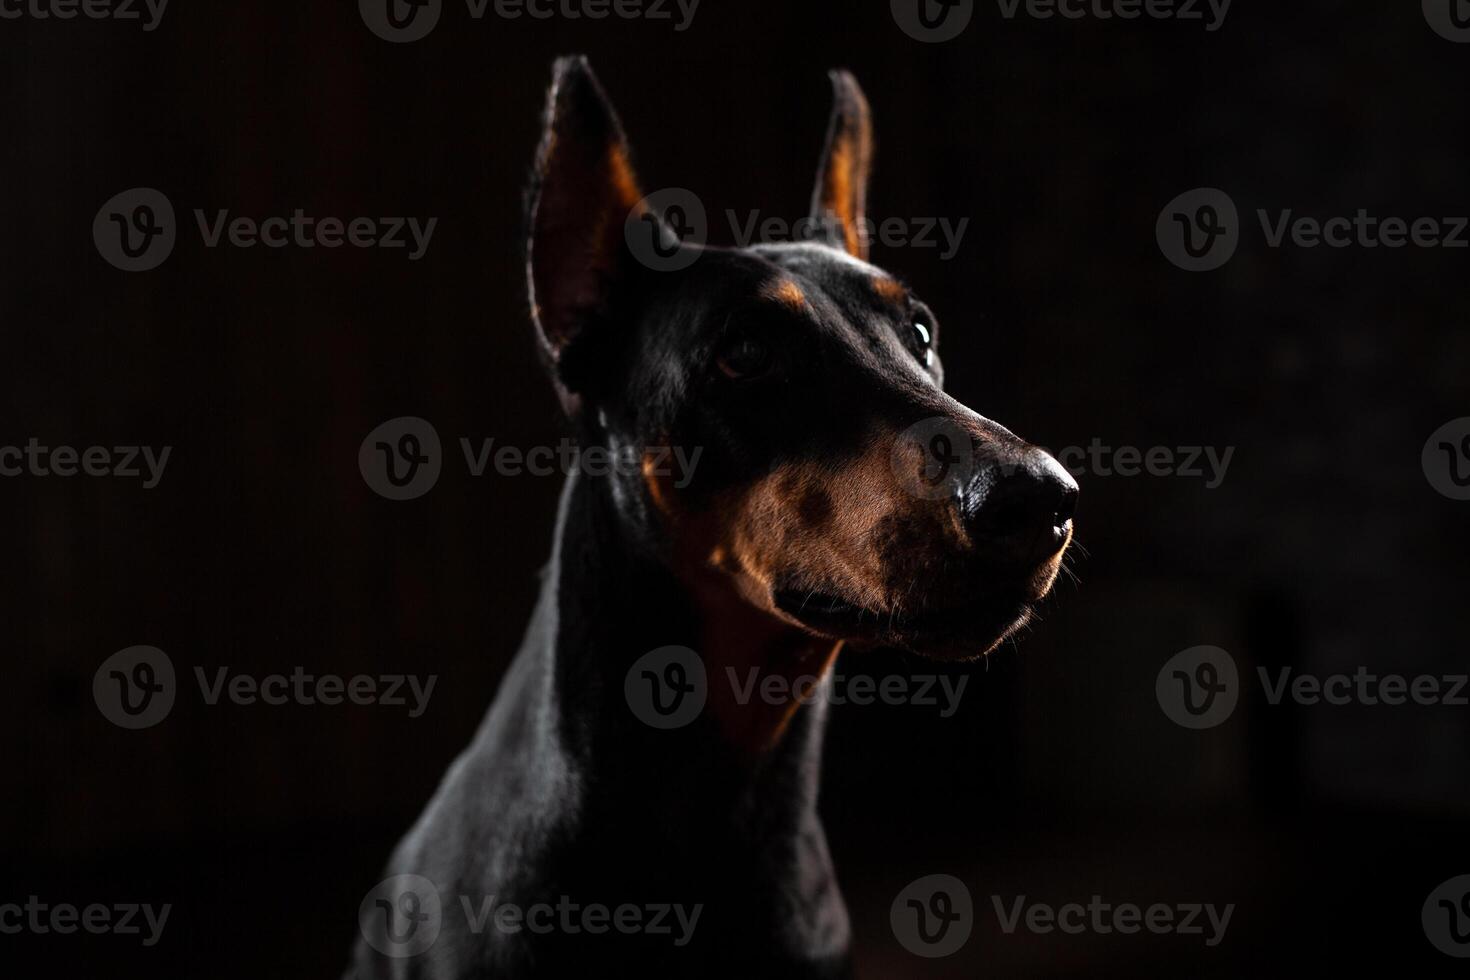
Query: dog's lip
point(833, 615)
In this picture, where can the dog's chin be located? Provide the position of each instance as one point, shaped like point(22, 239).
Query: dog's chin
point(963, 631)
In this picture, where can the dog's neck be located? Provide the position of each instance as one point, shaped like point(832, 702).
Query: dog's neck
point(615, 601)
point(723, 806)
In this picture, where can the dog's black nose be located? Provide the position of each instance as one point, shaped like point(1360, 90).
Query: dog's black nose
point(1023, 507)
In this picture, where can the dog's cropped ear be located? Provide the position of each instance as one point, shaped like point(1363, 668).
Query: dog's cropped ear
point(839, 203)
point(581, 192)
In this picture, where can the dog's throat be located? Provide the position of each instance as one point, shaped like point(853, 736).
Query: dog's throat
point(760, 671)
point(615, 602)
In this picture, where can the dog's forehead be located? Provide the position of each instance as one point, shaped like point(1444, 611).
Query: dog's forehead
point(845, 279)
point(822, 287)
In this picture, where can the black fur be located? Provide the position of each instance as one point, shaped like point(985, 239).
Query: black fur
point(564, 792)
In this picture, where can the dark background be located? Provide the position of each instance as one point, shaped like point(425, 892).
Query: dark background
point(262, 549)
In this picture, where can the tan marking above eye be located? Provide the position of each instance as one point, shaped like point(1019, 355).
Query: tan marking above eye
point(890, 289)
point(786, 292)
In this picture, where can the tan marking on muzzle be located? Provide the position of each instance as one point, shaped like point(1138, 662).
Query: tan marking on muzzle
point(772, 528)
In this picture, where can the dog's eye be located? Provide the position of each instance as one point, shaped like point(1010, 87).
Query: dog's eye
point(924, 341)
point(743, 356)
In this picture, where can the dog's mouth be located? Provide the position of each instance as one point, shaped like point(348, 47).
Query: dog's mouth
point(960, 630)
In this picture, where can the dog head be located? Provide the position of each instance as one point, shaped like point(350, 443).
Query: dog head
point(786, 402)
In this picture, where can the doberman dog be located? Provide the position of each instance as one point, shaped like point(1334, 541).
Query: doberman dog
point(840, 497)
